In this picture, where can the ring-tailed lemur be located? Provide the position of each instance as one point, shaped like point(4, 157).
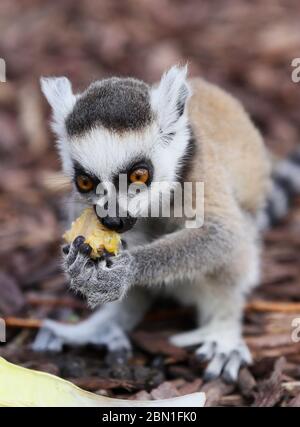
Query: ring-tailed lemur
point(174, 131)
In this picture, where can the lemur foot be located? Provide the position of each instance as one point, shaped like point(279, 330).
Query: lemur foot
point(225, 351)
point(53, 335)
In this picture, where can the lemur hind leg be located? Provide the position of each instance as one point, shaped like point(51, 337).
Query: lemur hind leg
point(219, 301)
point(108, 326)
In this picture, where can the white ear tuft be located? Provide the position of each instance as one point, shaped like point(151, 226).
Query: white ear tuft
point(58, 92)
point(169, 98)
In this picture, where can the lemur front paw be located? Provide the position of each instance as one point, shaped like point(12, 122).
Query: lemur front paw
point(225, 351)
point(100, 281)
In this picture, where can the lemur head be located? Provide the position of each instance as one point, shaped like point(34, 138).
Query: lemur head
point(121, 126)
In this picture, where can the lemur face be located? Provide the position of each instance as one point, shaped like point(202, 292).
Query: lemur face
point(121, 129)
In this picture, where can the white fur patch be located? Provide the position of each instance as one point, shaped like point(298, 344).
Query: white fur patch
point(59, 94)
point(172, 91)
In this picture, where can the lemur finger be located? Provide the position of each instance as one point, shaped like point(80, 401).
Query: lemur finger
point(113, 337)
point(75, 269)
point(246, 356)
point(66, 249)
point(215, 367)
point(55, 344)
point(82, 260)
point(42, 339)
point(70, 258)
point(46, 340)
point(105, 259)
point(118, 341)
point(232, 367)
point(85, 249)
point(206, 351)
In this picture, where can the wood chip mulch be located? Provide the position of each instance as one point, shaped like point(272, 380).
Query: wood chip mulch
point(246, 48)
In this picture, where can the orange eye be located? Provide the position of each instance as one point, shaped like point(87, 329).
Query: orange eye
point(139, 176)
point(84, 183)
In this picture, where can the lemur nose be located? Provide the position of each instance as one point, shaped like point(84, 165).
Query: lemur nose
point(118, 224)
point(115, 224)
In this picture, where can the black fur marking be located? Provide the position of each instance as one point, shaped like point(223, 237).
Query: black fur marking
point(180, 108)
point(286, 187)
point(271, 214)
point(183, 93)
point(79, 170)
point(187, 157)
point(295, 158)
point(116, 104)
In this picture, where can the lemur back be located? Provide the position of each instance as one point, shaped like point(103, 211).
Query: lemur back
point(231, 152)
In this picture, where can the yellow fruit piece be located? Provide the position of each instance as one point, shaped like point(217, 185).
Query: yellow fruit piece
point(21, 387)
point(96, 235)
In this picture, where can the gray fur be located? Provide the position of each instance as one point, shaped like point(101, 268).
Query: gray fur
point(99, 283)
point(184, 253)
point(116, 104)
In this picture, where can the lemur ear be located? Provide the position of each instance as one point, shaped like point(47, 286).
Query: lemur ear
point(170, 97)
point(59, 94)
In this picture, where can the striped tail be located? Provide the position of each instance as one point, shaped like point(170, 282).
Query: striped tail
point(285, 186)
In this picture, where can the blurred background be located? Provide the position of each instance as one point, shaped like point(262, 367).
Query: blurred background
point(247, 48)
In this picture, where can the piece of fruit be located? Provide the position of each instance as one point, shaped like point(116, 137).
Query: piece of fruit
point(21, 387)
point(95, 234)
